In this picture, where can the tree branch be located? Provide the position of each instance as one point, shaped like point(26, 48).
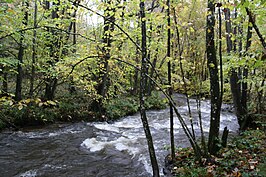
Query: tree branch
point(37, 27)
point(80, 61)
point(256, 28)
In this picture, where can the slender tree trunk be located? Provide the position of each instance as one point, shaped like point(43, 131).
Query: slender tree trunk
point(18, 94)
point(245, 73)
point(143, 81)
point(228, 28)
point(235, 32)
point(72, 88)
point(203, 142)
point(220, 52)
point(172, 137)
point(148, 89)
point(74, 35)
point(244, 94)
point(234, 79)
point(235, 90)
point(214, 81)
point(33, 50)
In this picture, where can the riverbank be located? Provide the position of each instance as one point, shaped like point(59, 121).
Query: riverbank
point(243, 156)
point(71, 108)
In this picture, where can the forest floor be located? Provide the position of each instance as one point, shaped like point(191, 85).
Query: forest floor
point(244, 156)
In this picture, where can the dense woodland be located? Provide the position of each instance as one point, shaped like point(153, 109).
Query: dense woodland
point(69, 60)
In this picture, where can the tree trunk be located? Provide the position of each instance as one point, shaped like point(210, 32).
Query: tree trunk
point(244, 93)
point(33, 50)
point(235, 75)
point(51, 84)
point(236, 94)
point(172, 137)
point(143, 81)
point(228, 28)
point(18, 94)
point(214, 81)
point(220, 51)
point(72, 88)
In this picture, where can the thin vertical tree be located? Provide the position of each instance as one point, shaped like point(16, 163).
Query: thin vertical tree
point(220, 50)
point(170, 92)
point(18, 92)
point(234, 75)
point(244, 85)
point(214, 81)
point(143, 82)
point(33, 58)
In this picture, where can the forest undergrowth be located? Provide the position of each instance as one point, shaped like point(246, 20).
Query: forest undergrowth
point(244, 156)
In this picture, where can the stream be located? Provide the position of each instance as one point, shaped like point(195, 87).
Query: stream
point(99, 149)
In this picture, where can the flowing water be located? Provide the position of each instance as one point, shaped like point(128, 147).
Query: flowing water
point(100, 149)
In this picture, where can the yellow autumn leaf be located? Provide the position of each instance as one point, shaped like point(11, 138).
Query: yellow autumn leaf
point(40, 104)
point(10, 102)
point(51, 102)
point(20, 107)
point(38, 100)
point(27, 101)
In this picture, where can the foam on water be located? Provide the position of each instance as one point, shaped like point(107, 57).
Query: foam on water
point(93, 145)
point(146, 162)
point(30, 173)
point(107, 127)
point(54, 167)
point(121, 144)
point(44, 134)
